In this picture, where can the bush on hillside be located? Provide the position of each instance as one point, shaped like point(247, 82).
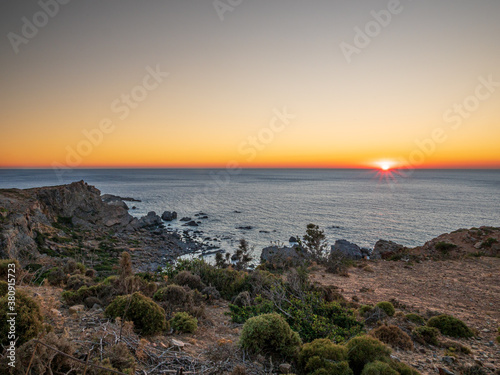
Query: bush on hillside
point(186, 278)
point(147, 316)
point(426, 335)
point(183, 322)
point(450, 326)
point(323, 354)
point(387, 307)
point(172, 294)
point(378, 368)
point(403, 368)
point(28, 322)
point(393, 336)
point(415, 318)
point(365, 349)
point(270, 334)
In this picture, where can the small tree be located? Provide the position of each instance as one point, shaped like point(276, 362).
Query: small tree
point(125, 273)
point(315, 241)
point(222, 261)
point(243, 255)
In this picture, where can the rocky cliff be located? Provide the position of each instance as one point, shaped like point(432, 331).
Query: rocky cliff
point(24, 214)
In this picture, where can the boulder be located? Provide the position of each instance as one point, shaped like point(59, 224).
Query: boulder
point(283, 256)
point(348, 249)
point(150, 220)
point(191, 223)
point(114, 200)
point(169, 216)
point(292, 239)
point(76, 309)
point(384, 249)
point(186, 219)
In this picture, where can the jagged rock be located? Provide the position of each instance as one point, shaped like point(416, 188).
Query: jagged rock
point(191, 223)
point(348, 249)
point(150, 220)
point(169, 216)
point(114, 200)
point(384, 249)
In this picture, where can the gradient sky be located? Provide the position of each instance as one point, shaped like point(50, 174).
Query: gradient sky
point(227, 78)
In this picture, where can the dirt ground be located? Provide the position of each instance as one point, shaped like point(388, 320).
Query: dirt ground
point(467, 289)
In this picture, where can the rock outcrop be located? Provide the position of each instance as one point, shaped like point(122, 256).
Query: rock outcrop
point(25, 214)
point(348, 249)
point(283, 256)
point(385, 249)
point(169, 216)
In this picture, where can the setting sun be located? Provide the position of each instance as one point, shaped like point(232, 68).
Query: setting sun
point(385, 165)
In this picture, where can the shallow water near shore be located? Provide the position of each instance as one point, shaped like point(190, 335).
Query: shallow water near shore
point(360, 206)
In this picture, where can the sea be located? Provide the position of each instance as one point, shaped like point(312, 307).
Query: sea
point(268, 206)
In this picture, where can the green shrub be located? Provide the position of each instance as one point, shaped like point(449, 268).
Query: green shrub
point(393, 336)
point(147, 316)
point(172, 294)
point(403, 368)
point(365, 349)
point(104, 292)
point(323, 354)
point(270, 334)
point(378, 368)
point(488, 242)
point(363, 309)
point(183, 322)
point(415, 318)
point(243, 299)
point(56, 276)
point(28, 321)
point(75, 282)
point(186, 278)
point(450, 326)
point(311, 315)
point(445, 247)
point(426, 335)
point(4, 288)
point(387, 307)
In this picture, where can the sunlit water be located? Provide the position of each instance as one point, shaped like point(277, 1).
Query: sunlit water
point(348, 204)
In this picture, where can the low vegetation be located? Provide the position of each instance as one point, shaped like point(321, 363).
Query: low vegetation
point(270, 334)
point(147, 316)
point(450, 326)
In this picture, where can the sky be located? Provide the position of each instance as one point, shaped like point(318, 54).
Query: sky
point(250, 83)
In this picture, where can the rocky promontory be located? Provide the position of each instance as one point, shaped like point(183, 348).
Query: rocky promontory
point(74, 220)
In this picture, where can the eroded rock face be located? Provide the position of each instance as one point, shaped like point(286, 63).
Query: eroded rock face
point(25, 213)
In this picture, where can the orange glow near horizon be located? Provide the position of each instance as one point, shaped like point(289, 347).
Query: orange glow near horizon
point(280, 95)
